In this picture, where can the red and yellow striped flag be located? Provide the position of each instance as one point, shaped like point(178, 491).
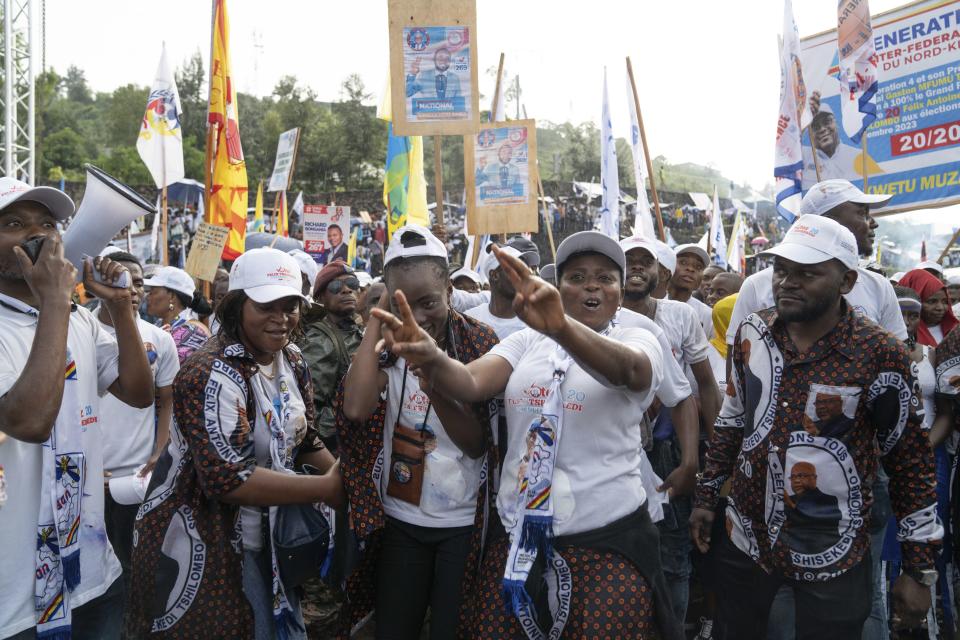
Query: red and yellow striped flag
point(226, 170)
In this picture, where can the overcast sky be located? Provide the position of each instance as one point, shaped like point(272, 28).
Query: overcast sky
point(707, 71)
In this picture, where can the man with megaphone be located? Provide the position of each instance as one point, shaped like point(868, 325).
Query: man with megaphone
point(57, 568)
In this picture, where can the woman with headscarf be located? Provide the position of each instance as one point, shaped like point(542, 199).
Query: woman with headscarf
point(574, 553)
point(205, 563)
point(722, 312)
point(172, 296)
point(936, 316)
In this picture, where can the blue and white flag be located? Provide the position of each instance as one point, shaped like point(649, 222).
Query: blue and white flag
point(610, 203)
point(858, 67)
point(643, 224)
point(788, 158)
point(718, 237)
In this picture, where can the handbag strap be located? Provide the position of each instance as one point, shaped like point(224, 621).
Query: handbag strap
point(403, 394)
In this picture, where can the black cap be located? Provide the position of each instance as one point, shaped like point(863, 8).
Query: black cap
point(529, 252)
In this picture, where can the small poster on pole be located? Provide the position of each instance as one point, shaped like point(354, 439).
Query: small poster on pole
point(433, 49)
point(326, 230)
point(501, 172)
point(205, 251)
point(282, 166)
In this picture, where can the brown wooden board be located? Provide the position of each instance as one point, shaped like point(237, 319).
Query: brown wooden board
point(501, 197)
point(204, 257)
point(433, 67)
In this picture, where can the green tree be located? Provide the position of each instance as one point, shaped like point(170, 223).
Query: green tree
point(191, 80)
point(76, 86)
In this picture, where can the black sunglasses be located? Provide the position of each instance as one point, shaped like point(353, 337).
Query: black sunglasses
point(351, 283)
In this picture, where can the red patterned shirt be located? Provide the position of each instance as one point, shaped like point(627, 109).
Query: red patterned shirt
point(801, 436)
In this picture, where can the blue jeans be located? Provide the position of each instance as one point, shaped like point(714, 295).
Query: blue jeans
point(258, 587)
point(99, 619)
point(782, 622)
point(675, 543)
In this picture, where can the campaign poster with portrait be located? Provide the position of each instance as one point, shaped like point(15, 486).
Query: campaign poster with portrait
point(501, 171)
point(913, 145)
point(433, 51)
point(326, 232)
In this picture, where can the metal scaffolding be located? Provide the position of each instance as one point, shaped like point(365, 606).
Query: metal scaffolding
point(18, 99)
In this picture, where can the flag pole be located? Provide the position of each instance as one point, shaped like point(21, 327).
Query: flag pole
point(863, 161)
point(813, 150)
point(438, 176)
point(163, 201)
point(546, 220)
point(646, 153)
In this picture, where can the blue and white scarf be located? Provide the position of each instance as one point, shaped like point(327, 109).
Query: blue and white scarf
point(58, 527)
point(532, 529)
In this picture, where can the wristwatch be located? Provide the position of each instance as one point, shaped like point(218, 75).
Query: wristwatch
point(926, 577)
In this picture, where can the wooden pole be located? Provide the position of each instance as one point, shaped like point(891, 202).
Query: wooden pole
point(546, 214)
point(163, 225)
point(863, 160)
point(646, 153)
point(946, 249)
point(813, 151)
point(438, 177)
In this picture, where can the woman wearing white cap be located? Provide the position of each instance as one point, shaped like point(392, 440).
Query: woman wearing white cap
point(571, 498)
point(173, 297)
point(413, 461)
point(204, 563)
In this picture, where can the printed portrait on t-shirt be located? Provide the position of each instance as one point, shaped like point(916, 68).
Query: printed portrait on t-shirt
point(762, 369)
point(830, 410)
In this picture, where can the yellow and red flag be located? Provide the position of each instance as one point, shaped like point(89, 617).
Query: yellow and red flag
point(226, 169)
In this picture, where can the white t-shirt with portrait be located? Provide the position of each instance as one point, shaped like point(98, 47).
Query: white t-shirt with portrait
point(129, 433)
point(451, 478)
point(95, 353)
point(597, 476)
point(872, 296)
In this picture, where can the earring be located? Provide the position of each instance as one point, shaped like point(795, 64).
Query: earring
point(170, 306)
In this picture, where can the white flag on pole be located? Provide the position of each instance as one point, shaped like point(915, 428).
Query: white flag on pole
point(736, 252)
point(643, 224)
point(858, 67)
point(610, 200)
point(298, 206)
point(160, 143)
point(718, 238)
point(788, 158)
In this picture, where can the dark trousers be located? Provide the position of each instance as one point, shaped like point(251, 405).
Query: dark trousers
point(120, 519)
point(831, 610)
point(420, 567)
point(99, 619)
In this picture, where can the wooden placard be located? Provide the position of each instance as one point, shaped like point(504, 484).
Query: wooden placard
point(501, 196)
point(205, 251)
point(433, 64)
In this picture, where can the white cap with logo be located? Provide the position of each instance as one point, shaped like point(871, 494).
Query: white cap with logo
point(659, 250)
point(57, 202)
point(815, 239)
point(266, 275)
point(594, 242)
point(174, 279)
point(411, 241)
point(825, 195)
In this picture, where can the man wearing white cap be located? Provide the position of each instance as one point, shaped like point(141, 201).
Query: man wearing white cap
point(466, 279)
point(814, 388)
point(953, 292)
point(872, 294)
point(308, 269)
point(675, 445)
point(692, 260)
point(57, 570)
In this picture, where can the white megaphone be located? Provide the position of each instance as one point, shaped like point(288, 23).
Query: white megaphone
point(108, 206)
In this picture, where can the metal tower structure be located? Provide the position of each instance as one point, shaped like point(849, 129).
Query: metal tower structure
point(18, 100)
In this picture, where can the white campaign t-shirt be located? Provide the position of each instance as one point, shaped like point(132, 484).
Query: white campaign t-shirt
point(872, 296)
point(129, 434)
point(679, 321)
point(704, 313)
point(503, 327)
point(451, 478)
point(95, 353)
point(294, 430)
point(460, 301)
point(597, 476)
point(675, 387)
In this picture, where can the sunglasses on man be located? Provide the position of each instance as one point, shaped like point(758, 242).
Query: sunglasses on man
point(351, 283)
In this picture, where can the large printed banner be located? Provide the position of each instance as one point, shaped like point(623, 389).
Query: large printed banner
point(913, 148)
point(326, 232)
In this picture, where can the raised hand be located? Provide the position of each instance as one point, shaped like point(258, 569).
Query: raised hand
point(110, 271)
point(405, 337)
point(536, 302)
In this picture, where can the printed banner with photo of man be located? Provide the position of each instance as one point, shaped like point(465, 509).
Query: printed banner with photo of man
point(326, 231)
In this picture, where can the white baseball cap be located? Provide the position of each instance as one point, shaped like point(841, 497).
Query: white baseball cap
point(57, 202)
point(266, 275)
point(464, 272)
point(174, 279)
point(364, 278)
point(696, 250)
point(665, 256)
point(638, 242)
point(412, 240)
point(953, 281)
point(584, 241)
point(307, 264)
point(825, 195)
point(930, 264)
point(815, 239)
